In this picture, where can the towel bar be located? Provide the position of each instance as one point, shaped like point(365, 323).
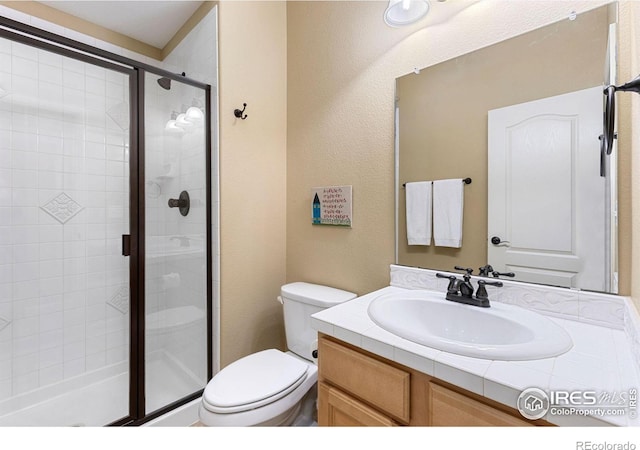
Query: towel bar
point(465, 181)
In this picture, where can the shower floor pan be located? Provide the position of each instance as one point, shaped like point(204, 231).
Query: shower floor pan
point(98, 398)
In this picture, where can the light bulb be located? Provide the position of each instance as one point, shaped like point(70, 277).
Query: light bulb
point(182, 121)
point(194, 114)
point(171, 125)
point(405, 12)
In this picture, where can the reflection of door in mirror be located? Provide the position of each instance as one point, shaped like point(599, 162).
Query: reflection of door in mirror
point(546, 197)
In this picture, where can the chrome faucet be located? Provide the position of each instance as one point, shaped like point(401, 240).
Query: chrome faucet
point(461, 291)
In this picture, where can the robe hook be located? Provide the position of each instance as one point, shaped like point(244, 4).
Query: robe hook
point(239, 113)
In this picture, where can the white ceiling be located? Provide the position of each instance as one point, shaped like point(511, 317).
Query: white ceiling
point(152, 22)
point(156, 22)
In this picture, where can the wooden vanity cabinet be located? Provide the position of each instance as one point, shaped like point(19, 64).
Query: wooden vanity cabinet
point(358, 388)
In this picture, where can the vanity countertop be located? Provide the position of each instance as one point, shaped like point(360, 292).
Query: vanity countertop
point(600, 360)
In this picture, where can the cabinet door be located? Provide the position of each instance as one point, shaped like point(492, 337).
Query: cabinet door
point(450, 408)
point(381, 385)
point(337, 409)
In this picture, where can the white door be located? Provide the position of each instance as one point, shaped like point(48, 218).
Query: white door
point(545, 193)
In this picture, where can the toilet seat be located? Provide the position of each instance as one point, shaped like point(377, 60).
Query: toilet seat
point(254, 381)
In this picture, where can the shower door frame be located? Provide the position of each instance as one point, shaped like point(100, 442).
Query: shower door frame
point(45, 40)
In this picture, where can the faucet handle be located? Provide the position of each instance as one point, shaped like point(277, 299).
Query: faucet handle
point(481, 292)
point(490, 283)
point(467, 275)
point(507, 274)
point(452, 288)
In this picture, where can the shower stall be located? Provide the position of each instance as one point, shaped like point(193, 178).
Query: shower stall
point(105, 234)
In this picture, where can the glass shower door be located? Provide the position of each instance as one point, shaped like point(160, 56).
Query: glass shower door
point(64, 205)
point(175, 241)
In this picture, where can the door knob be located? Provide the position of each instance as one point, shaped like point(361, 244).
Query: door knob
point(495, 240)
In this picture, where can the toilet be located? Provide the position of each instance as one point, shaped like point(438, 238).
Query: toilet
point(271, 387)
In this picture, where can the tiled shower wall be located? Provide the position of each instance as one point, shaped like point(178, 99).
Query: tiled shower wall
point(63, 208)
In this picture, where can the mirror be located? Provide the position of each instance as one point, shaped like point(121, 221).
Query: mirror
point(521, 119)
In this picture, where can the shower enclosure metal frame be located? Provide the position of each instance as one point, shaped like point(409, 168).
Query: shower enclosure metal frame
point(134, 244)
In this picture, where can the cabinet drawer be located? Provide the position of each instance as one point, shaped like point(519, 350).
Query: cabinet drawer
point(450, 408)
point(337, 409)
point(381, 385)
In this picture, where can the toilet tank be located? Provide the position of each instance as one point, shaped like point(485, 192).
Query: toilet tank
point(300, 300)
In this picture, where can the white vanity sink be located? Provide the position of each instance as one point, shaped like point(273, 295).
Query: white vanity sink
point(501, 332)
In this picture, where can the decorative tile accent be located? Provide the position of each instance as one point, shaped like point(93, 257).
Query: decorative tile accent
point(120, 299)
point(4, 323)
point(62, 208)
point(120, 115)
point(559, 302)
point(632, 328)
point(602, 309)
point(414, 278)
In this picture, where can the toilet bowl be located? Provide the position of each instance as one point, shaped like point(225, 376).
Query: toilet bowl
point(264, 388)
point(271, 387)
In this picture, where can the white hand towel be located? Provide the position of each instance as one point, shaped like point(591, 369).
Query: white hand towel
point(448, 205)
point(418, 200)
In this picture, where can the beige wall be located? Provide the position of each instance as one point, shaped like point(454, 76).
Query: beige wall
point(342, 65)
point(252, 62)
point(340, 132)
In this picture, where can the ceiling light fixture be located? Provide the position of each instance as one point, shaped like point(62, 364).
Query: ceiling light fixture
point(405, 12)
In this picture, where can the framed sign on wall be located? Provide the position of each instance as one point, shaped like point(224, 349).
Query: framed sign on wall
point(331, 205)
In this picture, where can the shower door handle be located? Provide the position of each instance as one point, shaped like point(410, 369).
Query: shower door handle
point(126, 245)
point(183, 203)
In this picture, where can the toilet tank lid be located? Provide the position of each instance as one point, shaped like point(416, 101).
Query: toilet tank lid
point(315, 294)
